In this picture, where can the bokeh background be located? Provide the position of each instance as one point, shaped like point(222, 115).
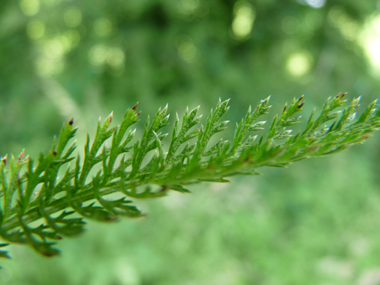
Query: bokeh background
point(316, 222)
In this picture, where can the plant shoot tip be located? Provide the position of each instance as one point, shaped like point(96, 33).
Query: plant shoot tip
point(135, 106)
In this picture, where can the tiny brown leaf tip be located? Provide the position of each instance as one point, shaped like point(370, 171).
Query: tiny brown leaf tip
point(301, 105)
point(110, 117)
point(134, 107)
point(284, 109)
point(71, 122)
point(366, 136)
point(4, 160)
point(300, 98)
point(341, 95)
point(21, 156)
point(138, 113)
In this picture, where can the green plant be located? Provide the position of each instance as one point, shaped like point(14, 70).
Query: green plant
point(37, 206)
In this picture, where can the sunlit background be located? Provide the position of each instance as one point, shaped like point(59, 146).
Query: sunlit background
point(316, 222)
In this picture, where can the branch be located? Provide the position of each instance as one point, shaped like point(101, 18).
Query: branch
point(36, 193)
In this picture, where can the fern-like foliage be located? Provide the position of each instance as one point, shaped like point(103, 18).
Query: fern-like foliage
point(38, 207)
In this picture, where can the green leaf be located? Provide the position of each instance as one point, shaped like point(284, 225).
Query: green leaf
point(38, 207)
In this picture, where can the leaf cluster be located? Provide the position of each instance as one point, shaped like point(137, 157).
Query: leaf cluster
point(45, 200)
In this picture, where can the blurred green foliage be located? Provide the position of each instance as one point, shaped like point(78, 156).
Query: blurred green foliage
point(314, 223)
